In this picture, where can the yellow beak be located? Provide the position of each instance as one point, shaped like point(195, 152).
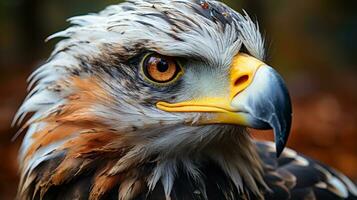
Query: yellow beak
point(242, 73)
point(257, 98)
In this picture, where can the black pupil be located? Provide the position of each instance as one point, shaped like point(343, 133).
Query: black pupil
point(162, 66)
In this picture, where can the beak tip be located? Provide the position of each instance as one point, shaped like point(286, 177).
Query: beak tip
point(279, 148)
point(281, 139)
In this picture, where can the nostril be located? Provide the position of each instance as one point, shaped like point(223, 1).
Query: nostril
point(241, 80)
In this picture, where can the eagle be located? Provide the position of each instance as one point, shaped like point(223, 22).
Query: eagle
point(153, 99)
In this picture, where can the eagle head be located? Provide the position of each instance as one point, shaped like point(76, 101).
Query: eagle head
point(144, 91)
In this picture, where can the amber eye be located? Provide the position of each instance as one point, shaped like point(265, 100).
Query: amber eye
point(161, 69)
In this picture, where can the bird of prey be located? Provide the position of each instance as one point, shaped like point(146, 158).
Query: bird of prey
point(151, 99)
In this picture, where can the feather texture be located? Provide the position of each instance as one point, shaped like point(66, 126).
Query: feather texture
point(95, 133)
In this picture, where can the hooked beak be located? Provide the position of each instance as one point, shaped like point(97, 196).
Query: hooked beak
point(258, 99)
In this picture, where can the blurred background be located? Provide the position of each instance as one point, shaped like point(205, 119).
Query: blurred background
point(313, 43)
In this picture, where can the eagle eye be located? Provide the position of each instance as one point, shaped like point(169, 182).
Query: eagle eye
point(161, 70)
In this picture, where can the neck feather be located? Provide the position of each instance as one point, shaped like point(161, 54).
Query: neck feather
point(106, 160)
